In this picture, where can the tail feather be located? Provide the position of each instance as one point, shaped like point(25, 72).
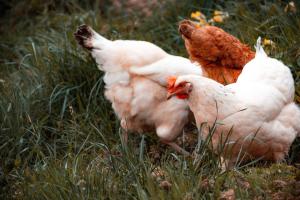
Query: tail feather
point(90, 39)
point(99, 37)
point(260, 52)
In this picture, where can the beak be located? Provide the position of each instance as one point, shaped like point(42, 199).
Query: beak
point(170, 95)
point(175, 92)
point(184, 91)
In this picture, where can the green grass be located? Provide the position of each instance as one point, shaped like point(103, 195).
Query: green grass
point(59, 138)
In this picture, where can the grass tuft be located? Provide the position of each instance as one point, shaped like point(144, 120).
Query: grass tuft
point(59, 137)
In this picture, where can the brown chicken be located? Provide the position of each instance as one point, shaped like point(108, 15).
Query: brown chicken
point(221, 55)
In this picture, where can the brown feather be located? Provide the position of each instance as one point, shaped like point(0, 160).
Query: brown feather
point(221, 55)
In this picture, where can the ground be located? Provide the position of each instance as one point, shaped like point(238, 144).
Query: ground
point(60, 139)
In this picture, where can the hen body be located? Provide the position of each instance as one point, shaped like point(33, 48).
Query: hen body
point(258, 110)
point(138, 101)
point(221, 55)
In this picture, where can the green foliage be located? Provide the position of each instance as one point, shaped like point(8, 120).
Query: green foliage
point(59, 137)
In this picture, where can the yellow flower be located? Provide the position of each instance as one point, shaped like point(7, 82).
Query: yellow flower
point(197, 15)
point(218, 12)
point(268, 42)
point(219, 16)
point(200, 17)
point(218, 19)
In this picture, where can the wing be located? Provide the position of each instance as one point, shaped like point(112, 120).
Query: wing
point(170, 66)
point(269, 72)
point(265, 85)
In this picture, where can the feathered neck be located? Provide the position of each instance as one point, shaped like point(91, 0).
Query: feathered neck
point(210, 100)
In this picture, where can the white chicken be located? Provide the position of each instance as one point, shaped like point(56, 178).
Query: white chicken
point(254, 117)
point(139, 102)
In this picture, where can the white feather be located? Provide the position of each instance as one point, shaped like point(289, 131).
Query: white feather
point(160, 70)
point(259, 104)
point(260, 52)
point(136, 94)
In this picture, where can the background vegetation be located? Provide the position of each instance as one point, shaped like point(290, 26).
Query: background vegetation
point(59, 138)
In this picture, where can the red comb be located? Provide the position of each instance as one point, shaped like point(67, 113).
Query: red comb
point(171, 82)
